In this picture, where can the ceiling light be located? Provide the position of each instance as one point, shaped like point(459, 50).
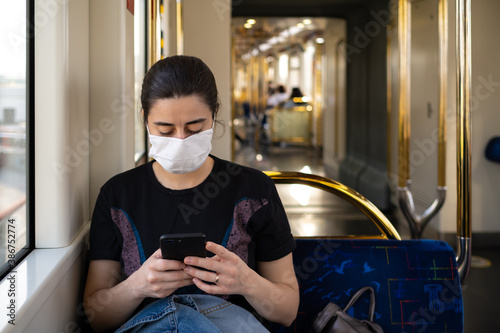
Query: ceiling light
point(251, 21)
point(300, 25)
point(320, 40)
point(247, 25)
point(264, 47)
point(307, 21)
point(292, 31)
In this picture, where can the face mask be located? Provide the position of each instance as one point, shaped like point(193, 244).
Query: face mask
point(181, 155)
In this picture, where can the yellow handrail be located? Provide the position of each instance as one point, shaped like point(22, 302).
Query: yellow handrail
point(344, 192)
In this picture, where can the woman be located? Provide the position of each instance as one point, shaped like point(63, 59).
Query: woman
point(296, 99)
point(185, 190)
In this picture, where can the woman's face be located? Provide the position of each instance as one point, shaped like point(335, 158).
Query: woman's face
point(179, 117)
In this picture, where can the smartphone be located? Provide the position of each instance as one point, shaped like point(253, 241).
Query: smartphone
point(179, 246)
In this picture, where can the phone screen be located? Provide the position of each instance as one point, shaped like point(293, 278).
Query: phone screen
point(179, 246)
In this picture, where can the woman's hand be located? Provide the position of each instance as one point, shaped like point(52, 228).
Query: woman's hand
point(159, 277)
point(273, 292)
point(227, 273)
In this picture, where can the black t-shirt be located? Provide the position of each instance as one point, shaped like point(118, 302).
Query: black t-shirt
point(236, 206)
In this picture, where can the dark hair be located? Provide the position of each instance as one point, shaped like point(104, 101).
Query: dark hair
point(281, 89)
point(179, 76)
point(296, 93)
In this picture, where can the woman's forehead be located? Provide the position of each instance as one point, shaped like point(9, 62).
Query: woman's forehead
point(184, 108)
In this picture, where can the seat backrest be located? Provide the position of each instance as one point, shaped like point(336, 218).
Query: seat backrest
point(416, 282)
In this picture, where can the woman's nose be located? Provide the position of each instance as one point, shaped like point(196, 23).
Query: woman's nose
point(181, 134)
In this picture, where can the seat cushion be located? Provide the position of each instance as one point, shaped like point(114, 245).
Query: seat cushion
point(416, 282)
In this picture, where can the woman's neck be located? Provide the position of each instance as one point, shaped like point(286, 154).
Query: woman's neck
point(182, 181)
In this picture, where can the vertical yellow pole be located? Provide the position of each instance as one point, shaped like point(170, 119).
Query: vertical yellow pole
point(404, 41)
point(389, 102)
point(463, 35)
point(443, 78)
point(180, 29)
point(318, 94)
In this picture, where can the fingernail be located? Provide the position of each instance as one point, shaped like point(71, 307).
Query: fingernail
point(187, 260)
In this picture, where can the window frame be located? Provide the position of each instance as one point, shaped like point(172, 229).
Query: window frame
point(6, 268)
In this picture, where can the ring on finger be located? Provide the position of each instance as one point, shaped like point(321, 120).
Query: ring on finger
point(216, 277)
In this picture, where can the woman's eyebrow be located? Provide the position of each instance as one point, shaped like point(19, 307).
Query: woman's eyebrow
point(196, 121)
point(161, 123)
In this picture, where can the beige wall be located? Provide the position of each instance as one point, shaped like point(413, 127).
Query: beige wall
point(61, 121)
point(207, 27)
point(112, 103)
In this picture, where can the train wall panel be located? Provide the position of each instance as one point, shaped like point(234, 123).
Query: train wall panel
point(207, 35)
point(112, 99)
point(61, 121)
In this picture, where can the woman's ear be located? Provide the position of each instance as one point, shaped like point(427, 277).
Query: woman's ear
point(144, 121)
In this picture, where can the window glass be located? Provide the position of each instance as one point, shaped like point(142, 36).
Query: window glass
point(13, 133)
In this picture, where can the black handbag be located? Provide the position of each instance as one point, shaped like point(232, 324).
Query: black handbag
point(334, 319)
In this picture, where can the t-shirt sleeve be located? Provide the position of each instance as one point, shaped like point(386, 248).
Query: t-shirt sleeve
point(274, 239)
point(104, 242)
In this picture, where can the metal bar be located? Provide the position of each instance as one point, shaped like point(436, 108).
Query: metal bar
point(342, 191)
point(463, 43)
point(404, 42)
point(443, 77)
point(153, 21)
point(336, 130)
point(233, 98)
point(180, 28)
point(318, 94)
point(389, 101)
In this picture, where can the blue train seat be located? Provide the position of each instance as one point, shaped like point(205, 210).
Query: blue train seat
point(416, 282)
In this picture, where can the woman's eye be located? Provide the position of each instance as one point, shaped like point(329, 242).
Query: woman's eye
point(193, 132)
point(166, 133)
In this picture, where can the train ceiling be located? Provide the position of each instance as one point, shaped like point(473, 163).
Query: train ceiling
point(270, 36)
point(273, 17)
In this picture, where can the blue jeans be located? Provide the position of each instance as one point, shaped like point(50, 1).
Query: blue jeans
point(192, 314)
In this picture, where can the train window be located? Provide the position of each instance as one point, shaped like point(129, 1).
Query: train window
point(16, 233)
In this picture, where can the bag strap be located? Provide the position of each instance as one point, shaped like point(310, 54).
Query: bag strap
point(357, 295)
point(324, 317)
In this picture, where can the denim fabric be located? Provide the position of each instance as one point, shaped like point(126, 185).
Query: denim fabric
point(192, 314)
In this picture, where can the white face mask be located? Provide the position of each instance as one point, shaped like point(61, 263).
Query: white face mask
point(181, 155)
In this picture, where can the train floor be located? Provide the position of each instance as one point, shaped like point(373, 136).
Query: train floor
point(314, 212)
